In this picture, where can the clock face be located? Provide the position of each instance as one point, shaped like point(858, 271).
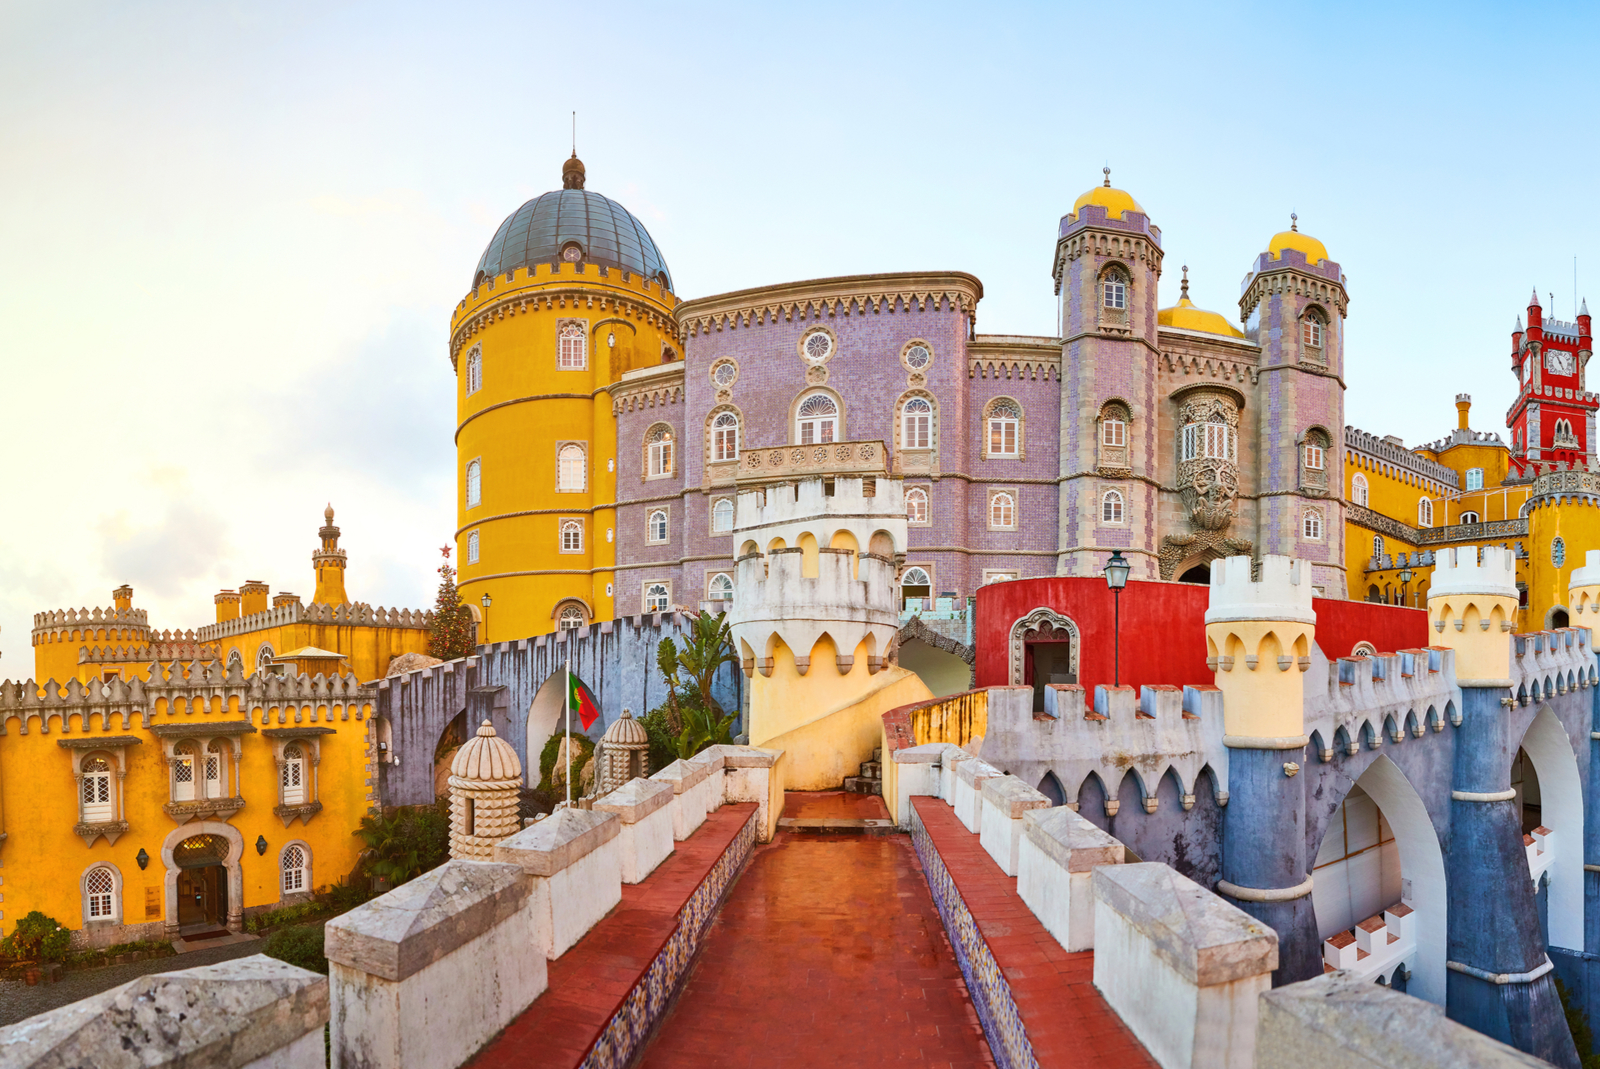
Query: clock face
point(1558, 363)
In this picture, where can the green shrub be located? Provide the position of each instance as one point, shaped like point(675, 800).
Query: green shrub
point(287, 915)
point(37, 938)
point(547, 761)
point(663, 743)
point(301, 945)
point(406, 842)
point(1578, 1025)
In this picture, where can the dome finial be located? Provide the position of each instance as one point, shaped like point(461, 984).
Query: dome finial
point(327, 513)
point(1185, 294)
point(1294, 222)
point(572, 173)
point(1107, 171)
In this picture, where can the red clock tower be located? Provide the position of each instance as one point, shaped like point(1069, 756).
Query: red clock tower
point(1553, 417)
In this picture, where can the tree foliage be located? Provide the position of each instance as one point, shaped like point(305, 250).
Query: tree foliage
point(454, 633)
point(694, 717)
point(405, 843)
point(37, 938)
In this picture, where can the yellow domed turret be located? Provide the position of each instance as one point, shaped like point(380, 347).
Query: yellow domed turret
point(1185, 316)
point(1314, 251)
point(1116, 202)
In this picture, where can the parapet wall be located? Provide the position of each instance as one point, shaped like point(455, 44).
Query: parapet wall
point(351, 614)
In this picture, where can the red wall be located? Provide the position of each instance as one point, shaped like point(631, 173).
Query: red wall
point(1163, 628)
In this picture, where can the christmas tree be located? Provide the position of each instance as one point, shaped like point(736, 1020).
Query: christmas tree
point(454, 633)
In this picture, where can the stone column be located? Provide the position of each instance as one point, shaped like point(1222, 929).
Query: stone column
point(1500, 979)
point(1258, 639)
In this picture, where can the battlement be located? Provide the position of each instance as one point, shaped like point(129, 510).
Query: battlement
point(1547, 663)
point(852, 597)
point(46, 623)
point(1283, 591)
point(1361, 441)
point(1467, 570)
point(160, 651)
point(1362, 701)
point(351, 614)
point(808, 499)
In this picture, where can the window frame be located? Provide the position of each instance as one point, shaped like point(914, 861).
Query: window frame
point(651, 537)
point(1314, 457)
point(724, 440)
point(113, 896)
point(660, 452)
point(733, 515)
point(802, 423)
point(1424, 512)
point(474, 369)
point(1314, 329)
point(918, 437)
point(1218, 435)
point(1116, 285)
point(1114, 432)
point(711, 581)
point(1015, 423)
point(473, 547)
point(181, 760)
point(1377, 547)
point(1313, 527)
point(105, 777)
point(1463, 518)
point(645, 596)
point(564, 453)
point(566, 525)
point(564, 613)
point(287, 767)
point(473, 481)
point(1114, 502)
point(924, 492)
point(1360, 490)
point(1015, 505)
point(925, 569)
point(1474, 479)
point(570, 330)
point(303, 883)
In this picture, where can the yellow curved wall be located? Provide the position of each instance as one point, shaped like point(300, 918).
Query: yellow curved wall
point(526, 408)
point(1577, 523)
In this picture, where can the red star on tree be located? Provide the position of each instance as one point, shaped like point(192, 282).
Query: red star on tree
point(446, 551)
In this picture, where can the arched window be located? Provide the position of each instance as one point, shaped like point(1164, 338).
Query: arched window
point(264, 657)
point(1211, 440)
point(99, 894)
point(1002, 510)
point(474, 370)
point(1474, 478)
point(183, 772)
point(1468, 517)
point(574, 351)
point(916, 583)
point(474, 483)
point(1111, 507)
point(295, 865)
point(817, 420)
point(722, 516)
point(571, 536)
point(472, 548)
point(1359, 492)
point(1005, 428)
point(215, 755)
point(916, 424)
point(725, 437)
point(656, 526)
point(571, 468)
point(1425, 512)
point(1558, 551)
point(659, 460)
point(572, 618)
point(98, 801)
point(1311, 525)
point(1377, 545)
point(1114, 289)
point(657, 597)
point(720, 588)
point(292, 776)
point(916, 505)
point(1315, 326)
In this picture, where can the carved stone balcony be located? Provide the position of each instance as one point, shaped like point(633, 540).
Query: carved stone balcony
point(781, 463)
point(89, 831)
point(204, 809)
point(290, 813)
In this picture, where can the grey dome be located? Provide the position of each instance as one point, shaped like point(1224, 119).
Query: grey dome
point(606, 231)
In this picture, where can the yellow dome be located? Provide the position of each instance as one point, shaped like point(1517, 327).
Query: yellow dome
point(1185, 316)
point(1115, 201)
point(1315, 251)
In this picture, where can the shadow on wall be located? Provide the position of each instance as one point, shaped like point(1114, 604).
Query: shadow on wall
point(944, 673)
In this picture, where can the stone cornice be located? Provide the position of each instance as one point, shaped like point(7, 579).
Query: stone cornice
point(824, 297)
point(571, 294)
point(1286, 276)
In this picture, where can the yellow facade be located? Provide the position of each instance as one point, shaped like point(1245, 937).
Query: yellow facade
point(515, 425)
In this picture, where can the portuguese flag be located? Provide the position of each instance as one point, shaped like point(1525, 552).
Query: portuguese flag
point(581, 701)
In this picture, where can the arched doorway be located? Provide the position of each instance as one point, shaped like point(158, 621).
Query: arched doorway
point(544, 720)
point(1550, 793)
point(1044, 650)
point(1559, 618)
point(1380, 851)
point(451, 739)
point(1200, 573)
point(204, 884)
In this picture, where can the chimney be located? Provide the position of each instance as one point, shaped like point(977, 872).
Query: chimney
point(1463, 406)
point(253, 596)
point(122, 597)
point(227, 605)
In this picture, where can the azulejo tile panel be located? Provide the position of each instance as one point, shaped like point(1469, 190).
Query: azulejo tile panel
point(624, 1036)
point(991, 994)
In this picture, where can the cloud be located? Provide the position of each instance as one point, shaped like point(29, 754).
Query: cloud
point(170, 556)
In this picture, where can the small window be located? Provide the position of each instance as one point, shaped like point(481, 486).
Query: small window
point(1111, 507)
point(1002, 510)
point(183, 772)
point(916, 505)
point(97, 804)
point(213, 768)
point(817, 346)
point(917, 357)
point(472, 548)
point(572, 617)
point(660, 458)
point(1311, 525)
point(571, 536)
point(1359, 492)
point(916, 583)
point(917, 424)
point(1474, 478)
point(99, 891)
point(657, 597)
point(572, 470)
point(1425, 512)
point(574, 351)
point(294, 870)
point(722, 516)
point(1558, 552)
point(1314, 457)
point(474, 370)
point(1113, 432)
point(1377, 545)
point(818, 418)
point(720, 588)
point(474, 484)
point(656, 527)
point(292, 777)
point(1115, 290)
point(1315, 326)
point(1468, 517)
point(1005, 424)
point(725, 437)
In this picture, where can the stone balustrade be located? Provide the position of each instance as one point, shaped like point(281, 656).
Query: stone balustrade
point(689, 783)
point(573, 862)
point(645, 837)
point(1057, 856)
point(968, 800)
point(1003, 801)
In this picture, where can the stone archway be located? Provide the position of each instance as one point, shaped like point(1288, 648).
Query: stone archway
point(230, 865)
point(1561, 810)
point(544, 721)
point(937, 658)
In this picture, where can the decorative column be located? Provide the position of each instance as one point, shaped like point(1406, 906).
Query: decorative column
point(1500, 980)
point(485, 781)
point(1258, 639)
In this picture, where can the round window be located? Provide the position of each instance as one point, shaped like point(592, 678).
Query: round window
point(918, 357)
point(572, 252)
point(724, 374)
point(817, 346)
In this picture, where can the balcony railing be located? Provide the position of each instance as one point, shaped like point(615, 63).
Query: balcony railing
point(822, 458)
point(1377, 946)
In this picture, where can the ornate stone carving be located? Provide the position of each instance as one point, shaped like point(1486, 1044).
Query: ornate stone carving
point(1208, 484)
point(1042, 624)
point(915, 628)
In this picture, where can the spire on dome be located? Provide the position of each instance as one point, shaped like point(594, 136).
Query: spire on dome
point(1185, 294)
point(572, 173)
point(1294, 222)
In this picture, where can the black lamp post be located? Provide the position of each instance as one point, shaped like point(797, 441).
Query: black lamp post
point(1405, 578)
point(487, 601)
point(1116, 579)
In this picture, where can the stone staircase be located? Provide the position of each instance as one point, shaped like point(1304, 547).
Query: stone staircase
point(871, 779)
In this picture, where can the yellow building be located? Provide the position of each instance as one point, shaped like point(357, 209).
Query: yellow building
point(570, 294)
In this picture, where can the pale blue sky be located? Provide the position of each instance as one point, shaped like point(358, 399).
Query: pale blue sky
point(231, 235)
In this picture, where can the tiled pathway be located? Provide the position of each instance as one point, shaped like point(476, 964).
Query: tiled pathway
point(828, 952)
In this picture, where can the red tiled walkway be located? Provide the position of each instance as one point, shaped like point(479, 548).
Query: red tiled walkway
point(589, 982)
point(828, 951)
point(1066, 1018)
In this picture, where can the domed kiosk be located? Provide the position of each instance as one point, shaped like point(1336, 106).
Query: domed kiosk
point(485, 781)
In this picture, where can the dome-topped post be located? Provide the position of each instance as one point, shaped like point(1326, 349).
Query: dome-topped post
point(485, 786)
point(624, 753)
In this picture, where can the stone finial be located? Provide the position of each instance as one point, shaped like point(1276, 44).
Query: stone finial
point(573, 173)
point(624, 752)
point(1294, 222)
point(485, 789)
point(1107, 171)
point(1185, 294)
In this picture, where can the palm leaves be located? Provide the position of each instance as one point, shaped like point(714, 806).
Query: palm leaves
point(694, 716)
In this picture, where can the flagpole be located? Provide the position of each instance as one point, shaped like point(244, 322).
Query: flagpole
point(568, 701)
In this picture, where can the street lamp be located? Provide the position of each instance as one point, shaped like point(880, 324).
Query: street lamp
point(1116, 579)
point(1405, 578)
point(487, 601)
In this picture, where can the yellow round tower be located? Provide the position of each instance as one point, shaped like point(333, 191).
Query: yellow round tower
point(570, 295)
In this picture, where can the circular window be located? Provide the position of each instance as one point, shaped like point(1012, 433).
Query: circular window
point(724, 373)
point(918, 357)
point(572, 252)
point(818, 345)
